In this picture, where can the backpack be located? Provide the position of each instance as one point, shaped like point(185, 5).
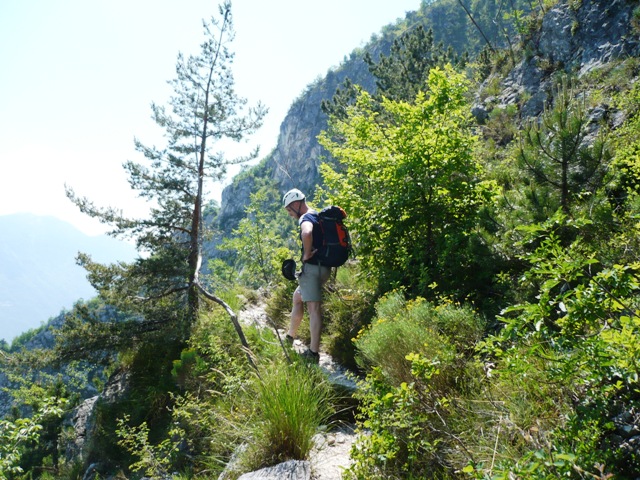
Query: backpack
point(336, 242)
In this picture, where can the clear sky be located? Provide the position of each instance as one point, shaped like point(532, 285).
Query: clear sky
point(77, 78)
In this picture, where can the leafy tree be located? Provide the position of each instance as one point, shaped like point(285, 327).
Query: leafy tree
point(16, 435)
point(256, 242)
point(411, 185)
point(204, 110)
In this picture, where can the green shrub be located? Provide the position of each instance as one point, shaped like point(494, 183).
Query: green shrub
point(419, 359)
point(293, 402)
point(153, 460)
point(16, 435)
point(348, 307)
point(566, 365)
point(403, 327)
point(229, 412)
point(280, 301)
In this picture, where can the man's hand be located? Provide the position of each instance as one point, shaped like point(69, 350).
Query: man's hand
point(309, 255)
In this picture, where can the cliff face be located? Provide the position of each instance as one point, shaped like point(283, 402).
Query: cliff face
point(573, 41)
point(295, 161)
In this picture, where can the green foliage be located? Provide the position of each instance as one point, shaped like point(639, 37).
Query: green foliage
point(274, 414)
point(204, 110)
point(257, 241)
point(409, 181)
point(280, 301)
point(401, 74)
point(145, 371)
point(501, 126)
point(190, 363)
point(547, 394)
point(417, 356)
point(33, 391)
point(294, 401)
point(553, 153)
point(17, 435)
point(348, 305)
point(627, 157)
point(404, 327)
point(212, 407)
point(153, 461)
point(579, 340)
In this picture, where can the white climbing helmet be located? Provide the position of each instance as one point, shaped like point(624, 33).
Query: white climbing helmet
point(292, 196)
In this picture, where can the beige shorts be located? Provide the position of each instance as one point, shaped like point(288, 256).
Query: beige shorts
point(311, 280)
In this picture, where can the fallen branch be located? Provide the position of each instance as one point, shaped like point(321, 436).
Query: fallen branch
point(234, 320)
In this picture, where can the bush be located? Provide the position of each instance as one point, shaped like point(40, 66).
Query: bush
point(280, 301)
point(348, 307)
point(292, 403)
point(403, 327)
point(419, 361)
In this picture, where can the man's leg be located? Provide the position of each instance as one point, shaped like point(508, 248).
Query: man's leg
point(297, 312)
point(315, 324)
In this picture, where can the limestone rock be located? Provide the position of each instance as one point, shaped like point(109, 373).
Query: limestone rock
point(82, 420)
point(291, 470)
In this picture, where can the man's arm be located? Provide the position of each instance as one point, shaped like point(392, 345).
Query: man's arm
point(306, 232)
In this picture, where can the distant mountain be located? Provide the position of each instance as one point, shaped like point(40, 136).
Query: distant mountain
point(38, 273)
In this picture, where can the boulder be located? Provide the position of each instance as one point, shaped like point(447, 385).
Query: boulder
point(291, 470)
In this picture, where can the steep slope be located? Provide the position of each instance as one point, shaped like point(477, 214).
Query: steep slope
point(296, 159)
point(297, 156)
point(572, 38)
point(38, 273)
point(574, 41)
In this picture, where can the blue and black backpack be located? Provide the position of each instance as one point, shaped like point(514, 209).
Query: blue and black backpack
point(336, 242)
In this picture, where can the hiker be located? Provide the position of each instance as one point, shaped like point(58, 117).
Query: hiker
point(312, 276)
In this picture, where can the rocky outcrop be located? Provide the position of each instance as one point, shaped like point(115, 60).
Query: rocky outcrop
point(589, 34)
point(291, 470)
point(81, 422)
point(575, 41)
point(79, 445)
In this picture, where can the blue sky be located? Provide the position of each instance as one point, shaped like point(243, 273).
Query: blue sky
point(77, 78)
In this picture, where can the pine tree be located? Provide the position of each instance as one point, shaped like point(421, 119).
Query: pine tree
point(401, 74)
point(557, 155)
point(404, 73)
point(204, 109)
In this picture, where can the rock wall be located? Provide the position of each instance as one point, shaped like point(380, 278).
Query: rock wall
point(574, 41)
point(295, 161)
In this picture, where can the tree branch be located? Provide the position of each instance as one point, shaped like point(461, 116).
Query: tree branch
point(234, 320)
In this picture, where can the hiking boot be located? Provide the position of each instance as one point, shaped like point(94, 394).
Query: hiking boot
point(289, 339)
point(310, 357)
